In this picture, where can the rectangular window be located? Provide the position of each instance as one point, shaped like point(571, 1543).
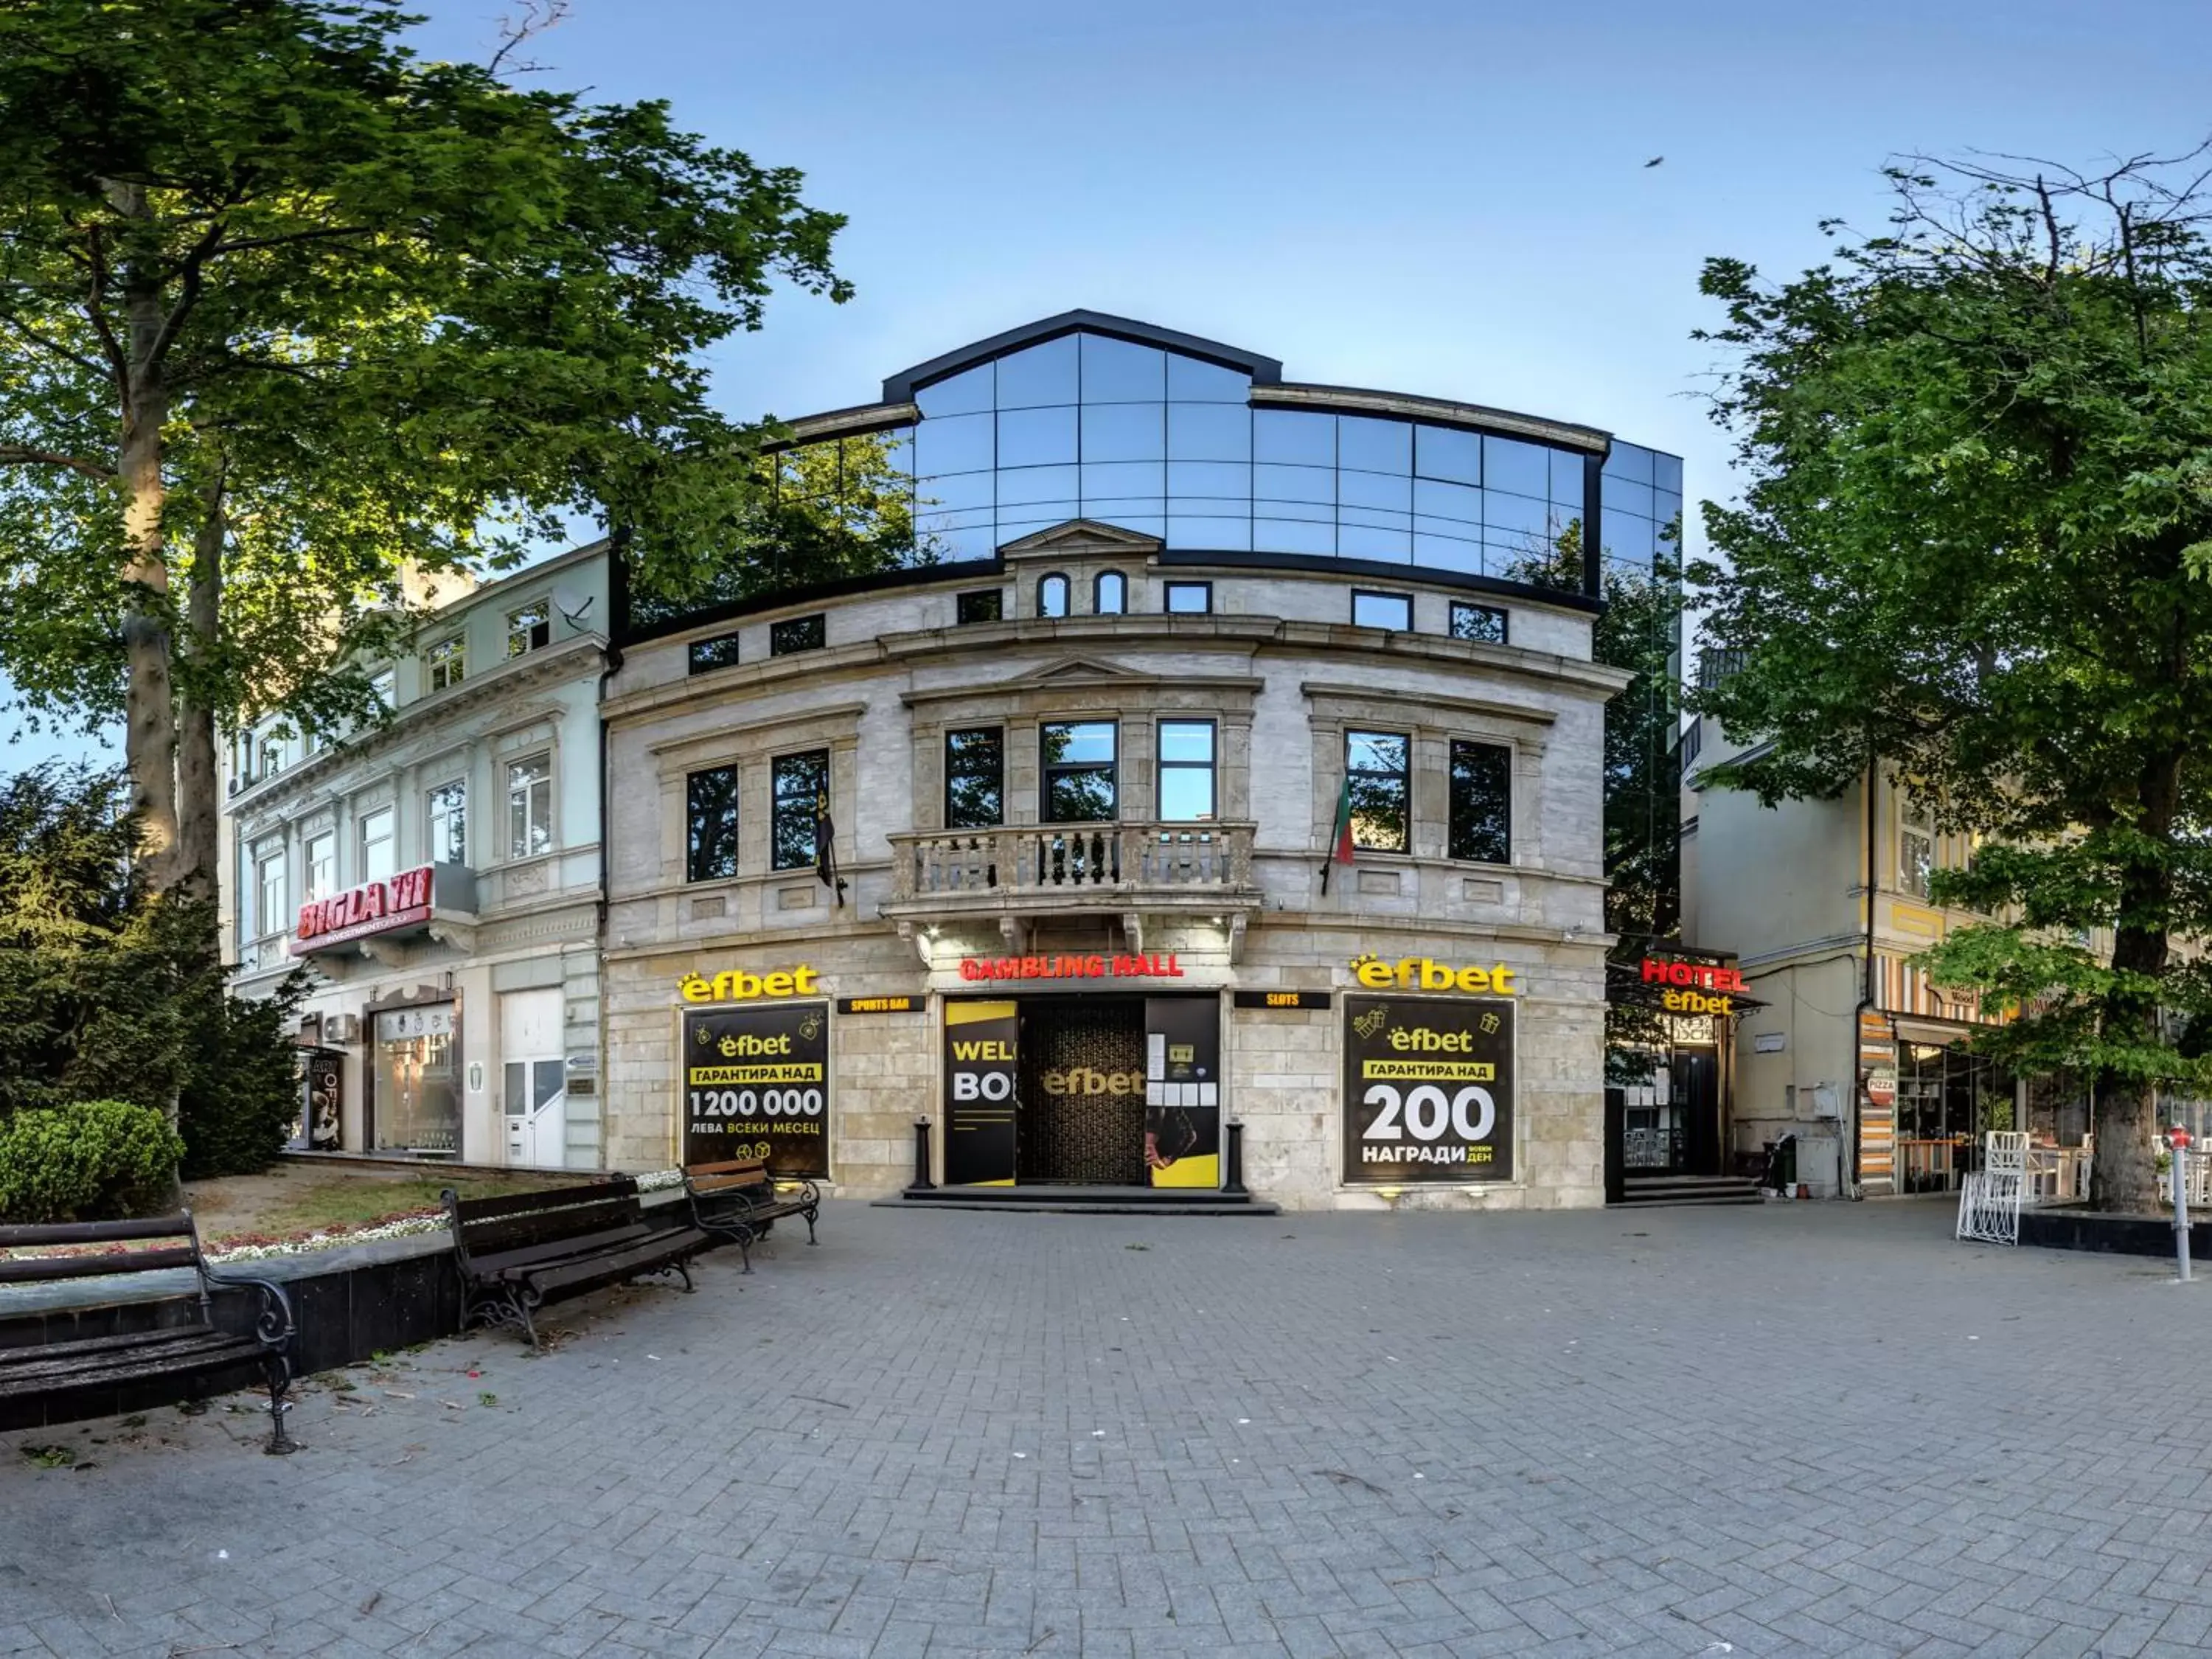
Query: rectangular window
point(530, 806)
point(272, 755)
point(380, 843)
point(799, 789)
point(1377, 768)
point(1482, 802)
point(1186, 784)
point(447, 663)
point(1081, 773)
point(975, 778)
point(322, 871)
point(1916, 861)
point(1485, 623)
point(796, 634)
point(530, 628)
point(710, 809)
point(984, 604)
point(1391, 610)
point(449, 823)
point(384, 686)
point(1188, 598)
point(269, 891)
point(721, 652)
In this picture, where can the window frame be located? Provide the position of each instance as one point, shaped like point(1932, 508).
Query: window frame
point(793, 637)
point(1048, 771)
point(972, 597)
point(448, 658)
point(384, 686)
point(1452, 842)
point(693, 869)
point(1120, 606)
point(265, 860)
point(694, 663)
point(533, 625)
point(1045, 584)
point(1406, 599)
point(1211, 765)
point(433, 814)
point(1169, 589)
point(998, 734)
point(529, 788)
point(777, 806)
point(309, 887)
point(389, 812)
point(1405, 781)
point(1469, 607)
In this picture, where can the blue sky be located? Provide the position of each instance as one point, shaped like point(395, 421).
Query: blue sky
point(1436, 197)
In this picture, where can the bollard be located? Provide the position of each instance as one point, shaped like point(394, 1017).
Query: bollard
point(2181, 1213)
point(921, 1182)
point(1232, 1168)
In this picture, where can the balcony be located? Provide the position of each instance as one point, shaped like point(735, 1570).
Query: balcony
point(1132, 869)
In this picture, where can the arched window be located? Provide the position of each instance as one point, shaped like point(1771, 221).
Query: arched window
point(1109, 594)
point(1052, 595)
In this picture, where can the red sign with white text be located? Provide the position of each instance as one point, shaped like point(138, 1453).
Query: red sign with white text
point(374, 907)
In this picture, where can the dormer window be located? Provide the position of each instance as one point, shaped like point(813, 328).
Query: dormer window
point(1109, 594)
point(1052, 595)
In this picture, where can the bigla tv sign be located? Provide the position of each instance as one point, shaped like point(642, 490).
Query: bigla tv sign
point(1694, 988)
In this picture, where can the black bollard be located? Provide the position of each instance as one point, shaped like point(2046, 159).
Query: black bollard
point(1233, 1171)
point(921, 1183)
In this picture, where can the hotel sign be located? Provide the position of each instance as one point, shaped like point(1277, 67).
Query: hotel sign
point(1694, 988)
point(374, 907)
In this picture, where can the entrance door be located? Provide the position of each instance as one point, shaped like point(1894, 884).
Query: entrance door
point(1698, 1096)
point(1081, 1116)
point(534, 1081)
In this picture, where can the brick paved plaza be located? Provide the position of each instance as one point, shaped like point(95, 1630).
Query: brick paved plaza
point(1804, 1429)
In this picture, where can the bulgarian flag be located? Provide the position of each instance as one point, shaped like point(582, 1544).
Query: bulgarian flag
point(1339, 841)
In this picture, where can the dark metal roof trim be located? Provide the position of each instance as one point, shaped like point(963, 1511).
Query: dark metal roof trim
point(900, 387)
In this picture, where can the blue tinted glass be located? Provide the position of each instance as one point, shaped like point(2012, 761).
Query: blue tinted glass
point(956, 443)
point(1042, 374)
point(1375, 489)
point(1627, 537)
point(1020, 486)
point(1151, 522)
point(1373, 446)
point(1446, 553)
point(1109, 594)
point(1508, 464)
point(1375, 518)
point(1198, 382)
point(1186, 794)
point(1625, 495)
point(932, 523)
point(1629, 461)
point(968, 393)
point(1036, 437)
point(1209, 432)
point(954, 493)
point(1223, 481)
point(1359, 541)
point(1212, 535)
point(1567, 477)
point(1115, 372)
point(1666, 471)
point(1294, 535)
point(1375, 751)
point(1392, 611)
point(976, 541)
point(1292, 483)
point(1037, 515)
point(1079, 744)
point(1124, 432)
point(1447, 501)
point(1122, 480)
point(1188, 598)
point(896, 446)
point(1441, 453)
point(1516, 513)
point(1666, 506)
point(1290, 434)
point(1186, 740)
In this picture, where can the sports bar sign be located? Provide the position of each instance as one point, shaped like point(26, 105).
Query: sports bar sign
point(374, 907)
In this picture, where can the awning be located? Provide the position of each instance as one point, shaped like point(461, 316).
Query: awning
point(1921, 1031)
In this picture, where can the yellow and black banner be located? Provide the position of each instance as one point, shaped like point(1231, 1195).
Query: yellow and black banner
point(757, 1084)
point(980, 1039)
point(1428, 1090)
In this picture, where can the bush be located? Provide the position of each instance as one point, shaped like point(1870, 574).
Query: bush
point(95, 1160)
point(242, 1088)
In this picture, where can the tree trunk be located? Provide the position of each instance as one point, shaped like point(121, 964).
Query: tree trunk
point(2123, 1174)
point(199, 804)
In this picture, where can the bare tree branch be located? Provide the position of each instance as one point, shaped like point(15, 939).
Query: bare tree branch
point(535, 18)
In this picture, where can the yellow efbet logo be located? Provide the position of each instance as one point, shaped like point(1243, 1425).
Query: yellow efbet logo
point(1424, 974)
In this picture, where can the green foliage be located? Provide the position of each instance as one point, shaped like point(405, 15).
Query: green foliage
point(90, 1160)
point(1973, 544)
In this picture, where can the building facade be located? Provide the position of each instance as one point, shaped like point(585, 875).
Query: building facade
point(439, 877)
point(1222, 748)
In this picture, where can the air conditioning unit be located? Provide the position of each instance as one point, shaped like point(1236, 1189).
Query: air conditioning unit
point(342, 1028)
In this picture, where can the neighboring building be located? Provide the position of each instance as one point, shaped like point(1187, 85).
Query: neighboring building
point(440, 876)
point(1031, 837)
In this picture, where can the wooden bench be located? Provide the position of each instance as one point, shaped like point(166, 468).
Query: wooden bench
point(739, 1201)
point(184, 1345)
point(515, 1253)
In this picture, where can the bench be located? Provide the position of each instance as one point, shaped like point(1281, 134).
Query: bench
point(183, 1346)
point(738, 1200)
point(515, 1253)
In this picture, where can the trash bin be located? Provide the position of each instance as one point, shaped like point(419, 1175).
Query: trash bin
point(1781, 1164)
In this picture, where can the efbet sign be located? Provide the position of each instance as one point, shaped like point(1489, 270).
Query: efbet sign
point(732, 986)
point(1420, 974)
point(1694, 988)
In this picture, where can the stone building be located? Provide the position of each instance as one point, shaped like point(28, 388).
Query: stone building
point(1225, 748)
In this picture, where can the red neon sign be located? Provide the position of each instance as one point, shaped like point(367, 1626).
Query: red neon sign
point(374, 907)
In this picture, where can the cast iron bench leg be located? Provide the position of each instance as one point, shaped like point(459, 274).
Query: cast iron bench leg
point(280, 1444)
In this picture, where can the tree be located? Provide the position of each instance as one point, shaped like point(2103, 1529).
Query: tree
point(273, 291)
point(1973, 549)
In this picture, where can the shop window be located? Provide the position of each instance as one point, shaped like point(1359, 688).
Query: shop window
point(530, 628)
point(418, 1099)
point(1109, 594)
point(796, 634)
point(448, 809)
point(1484, 623)
point(981, 604)
point(1187, 776)
point(269, 891)
point(710, 805)
point(706, 655)
point(1378, 777)
point(322, 866)
point(1052, 595)
point(380, 843)
point(1188, 598)
point(799, 785)
point(975, 778)
point(1391, 610)
point(447, 663)
point(530, 806)
point(1482, 803)
point(1081, 771)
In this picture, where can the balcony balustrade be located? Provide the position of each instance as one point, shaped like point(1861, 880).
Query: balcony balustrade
point(1056, 866)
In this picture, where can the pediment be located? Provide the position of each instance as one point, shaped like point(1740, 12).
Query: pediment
point(1080, 668)
point(1082, 536)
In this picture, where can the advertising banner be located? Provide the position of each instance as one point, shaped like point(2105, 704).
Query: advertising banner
point(1182, 1091)
point(979, 1061)
point(757, 1084)
point(1428, 1090)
